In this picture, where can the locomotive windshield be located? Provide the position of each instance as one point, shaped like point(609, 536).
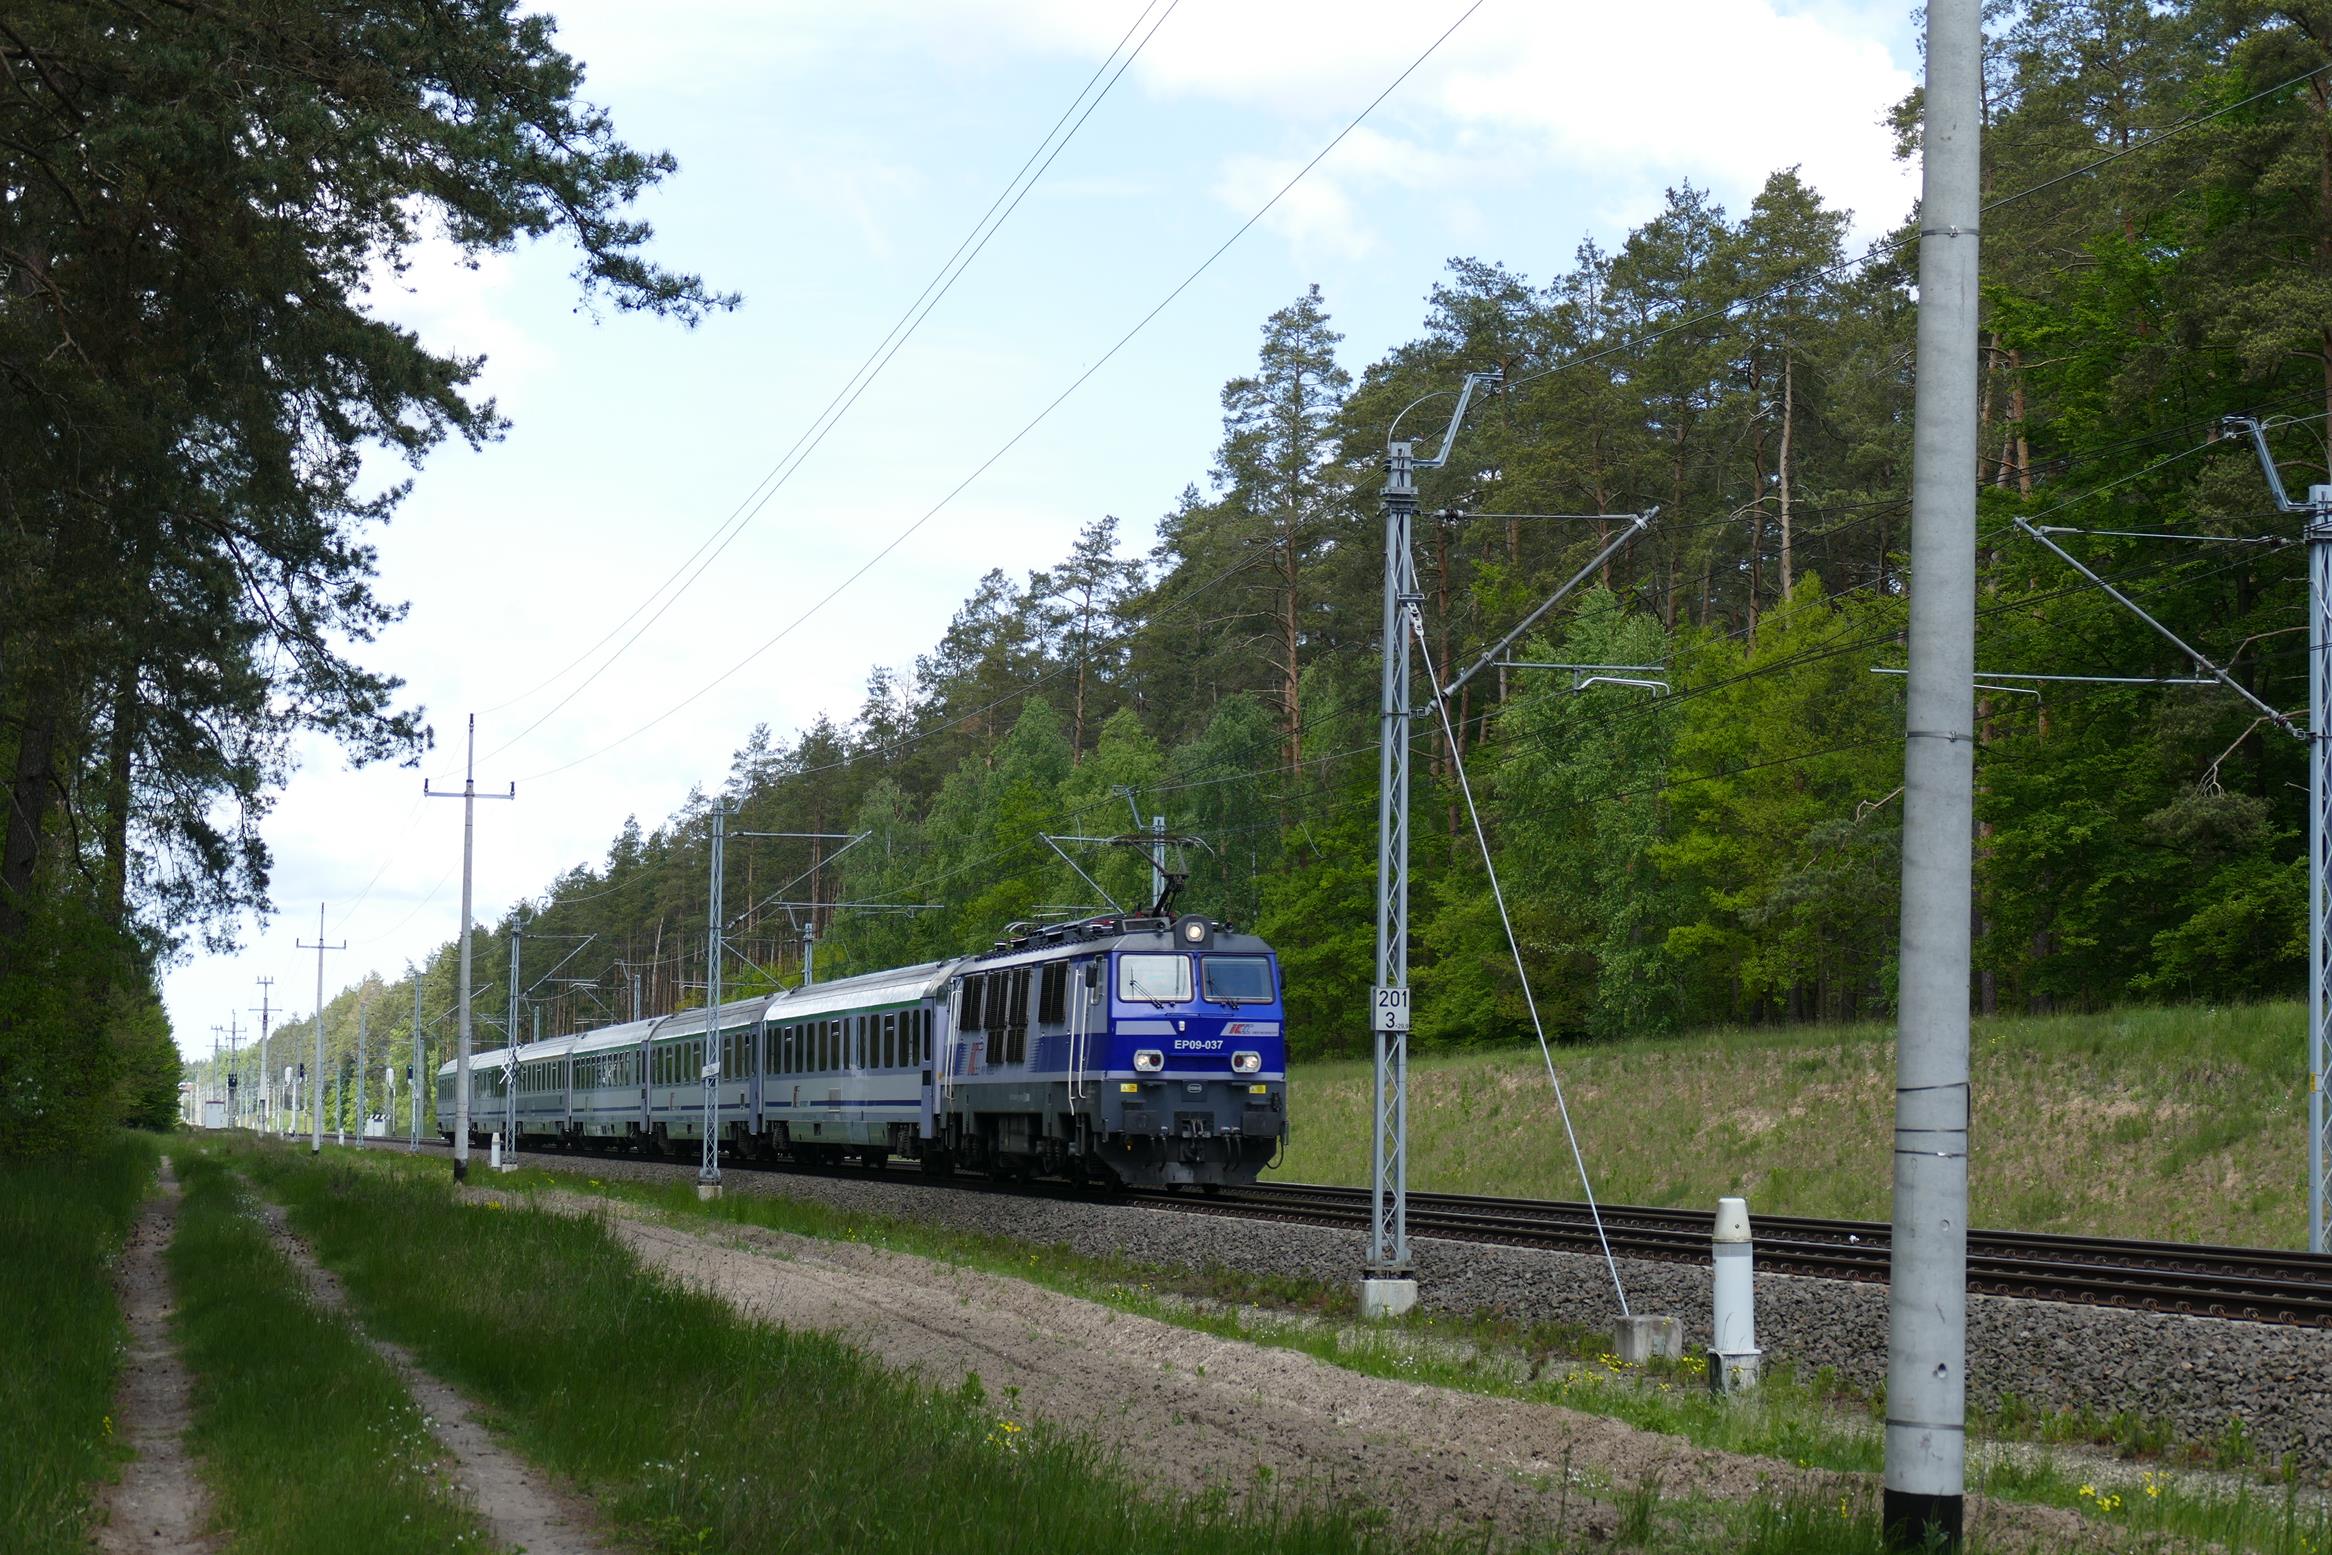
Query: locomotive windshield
point(1237, 979)
point(1159, 979)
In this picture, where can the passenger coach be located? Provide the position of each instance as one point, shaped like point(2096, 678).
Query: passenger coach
point(1118, 1050)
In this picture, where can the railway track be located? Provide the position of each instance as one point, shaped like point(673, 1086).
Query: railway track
point(2265, 1285)
point(2252, 1284)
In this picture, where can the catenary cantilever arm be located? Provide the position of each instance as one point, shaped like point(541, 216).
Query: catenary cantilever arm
point(2283, 721)
point(1637, 523)
point(1489, 380)
point(2250, 424)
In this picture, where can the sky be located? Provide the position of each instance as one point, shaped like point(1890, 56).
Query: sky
point(832, 157)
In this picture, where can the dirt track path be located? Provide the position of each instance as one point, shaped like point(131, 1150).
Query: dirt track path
point(159, 1503)
point(524, 1508)
point(1190, 1411)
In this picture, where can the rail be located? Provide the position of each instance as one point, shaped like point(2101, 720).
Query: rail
point(2247, 1284)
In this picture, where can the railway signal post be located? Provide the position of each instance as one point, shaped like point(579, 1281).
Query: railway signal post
point(1927, 1293)
point(461, 1079)
point(316, 1094)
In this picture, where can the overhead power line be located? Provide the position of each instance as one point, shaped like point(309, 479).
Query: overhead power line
point(934, 292)
point(1034, 421)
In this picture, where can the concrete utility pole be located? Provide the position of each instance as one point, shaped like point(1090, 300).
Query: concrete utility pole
point(266, 1050)
point(510, 1048)
point(362, 1005)
point(234, 1072)
point(421, 1078)
point(461, 1078)
point(1927, 1297)
point(708, 1170)
point(2316, 526)
point(316, 1091)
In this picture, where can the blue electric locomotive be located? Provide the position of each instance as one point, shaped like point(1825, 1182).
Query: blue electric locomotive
point(1120, 1049)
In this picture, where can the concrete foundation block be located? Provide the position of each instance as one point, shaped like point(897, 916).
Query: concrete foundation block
point(1636, 1339)
point(1733, 1374)
point(1387, 1298)
point(708, 1191)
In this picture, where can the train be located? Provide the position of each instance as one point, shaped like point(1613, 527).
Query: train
point(1119, 1050)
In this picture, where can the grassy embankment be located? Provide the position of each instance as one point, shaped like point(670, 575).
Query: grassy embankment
point(815, 1447)
point(305, 1436)
point(62, 1222)
point(2184, 1124)
point(1800, 1421)
point(692, 1427)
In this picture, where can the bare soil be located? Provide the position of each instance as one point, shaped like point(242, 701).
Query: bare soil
point(524, 1508)
point(1191, 1412)
point(159, 1503)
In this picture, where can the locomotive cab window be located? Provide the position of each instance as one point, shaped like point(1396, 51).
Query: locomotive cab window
point(1157, 979)
point(1236, 979)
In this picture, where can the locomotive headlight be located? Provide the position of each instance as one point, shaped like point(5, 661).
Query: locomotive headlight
point(1149, 1061)
point(1246, 1063)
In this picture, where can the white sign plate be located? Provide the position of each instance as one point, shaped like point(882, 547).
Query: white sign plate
point(710, 1071)
point(1391, 1011)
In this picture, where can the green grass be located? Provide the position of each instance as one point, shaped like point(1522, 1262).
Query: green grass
point(62, 1222)
point(696, 1429)
point(2182, 1123)
point(306, 1437)
point(1806, 1422)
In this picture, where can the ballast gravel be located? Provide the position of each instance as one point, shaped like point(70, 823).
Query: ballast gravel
point(2196, 1374)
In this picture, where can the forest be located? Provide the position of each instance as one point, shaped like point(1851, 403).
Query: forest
point(1717, 842)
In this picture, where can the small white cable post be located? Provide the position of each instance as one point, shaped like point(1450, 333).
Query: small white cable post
point(1733, 1348)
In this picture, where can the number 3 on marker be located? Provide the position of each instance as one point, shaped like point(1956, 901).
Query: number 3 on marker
point(1392, 1009)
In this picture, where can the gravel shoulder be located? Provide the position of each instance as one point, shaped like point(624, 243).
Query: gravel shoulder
point(1231, 1416)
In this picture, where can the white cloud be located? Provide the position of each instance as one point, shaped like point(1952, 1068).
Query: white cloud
point(1322, 214)
point(1721, 92)
point(458, 304)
